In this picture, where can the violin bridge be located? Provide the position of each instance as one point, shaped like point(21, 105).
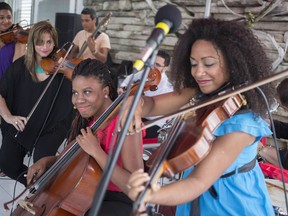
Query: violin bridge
point(243, 100)
point(189, 114)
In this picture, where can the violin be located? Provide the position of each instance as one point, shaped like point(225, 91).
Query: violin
point(49, 64)
point(68, 186)
point(188, 141)
point(15, 34)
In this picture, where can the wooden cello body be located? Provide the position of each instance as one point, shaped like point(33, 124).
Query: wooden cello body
point(69, 185)
point(69, 192)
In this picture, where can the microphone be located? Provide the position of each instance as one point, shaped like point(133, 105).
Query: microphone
point(167, 20)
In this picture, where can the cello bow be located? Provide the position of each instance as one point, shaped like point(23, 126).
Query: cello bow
point(46, 87)
point(45, 183)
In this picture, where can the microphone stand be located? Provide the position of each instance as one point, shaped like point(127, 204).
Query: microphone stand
point(112, 159)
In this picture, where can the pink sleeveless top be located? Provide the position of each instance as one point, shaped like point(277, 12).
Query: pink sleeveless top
point(105, 136)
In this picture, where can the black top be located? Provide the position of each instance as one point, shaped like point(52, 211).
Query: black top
point(21, 94)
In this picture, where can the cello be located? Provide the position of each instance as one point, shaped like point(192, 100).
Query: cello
point(68, 186)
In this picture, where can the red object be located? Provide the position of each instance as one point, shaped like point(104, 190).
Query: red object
point(150, 140)
point(273, 171)
point(264, 141)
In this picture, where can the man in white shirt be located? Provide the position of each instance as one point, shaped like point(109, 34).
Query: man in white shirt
point(162, 62)
point(97, 48)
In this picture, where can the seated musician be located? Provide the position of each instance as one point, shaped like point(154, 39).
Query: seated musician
point(98, 48)
point(268, 153)
point(92, 93)
point(210, 56)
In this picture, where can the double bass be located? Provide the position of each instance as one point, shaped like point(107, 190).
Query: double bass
point(67, 188)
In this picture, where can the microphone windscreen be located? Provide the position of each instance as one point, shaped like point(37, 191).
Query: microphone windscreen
point(172, 14)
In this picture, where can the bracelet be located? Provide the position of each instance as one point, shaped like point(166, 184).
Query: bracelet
point(260, 148)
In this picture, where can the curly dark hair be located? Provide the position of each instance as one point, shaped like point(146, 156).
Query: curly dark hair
point(244, 55)
point(91, 68)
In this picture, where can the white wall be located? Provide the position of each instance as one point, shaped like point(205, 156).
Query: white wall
point(46, 9)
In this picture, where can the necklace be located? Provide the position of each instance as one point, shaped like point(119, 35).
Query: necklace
point(39, 69)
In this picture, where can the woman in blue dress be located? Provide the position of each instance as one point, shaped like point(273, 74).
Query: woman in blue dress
point(211, 56)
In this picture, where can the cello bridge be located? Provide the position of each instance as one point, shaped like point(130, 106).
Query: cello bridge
point(27, 206)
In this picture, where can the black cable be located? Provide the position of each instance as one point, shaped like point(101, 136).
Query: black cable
point(275, 143)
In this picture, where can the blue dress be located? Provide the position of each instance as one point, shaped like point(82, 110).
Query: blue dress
point(242, 193)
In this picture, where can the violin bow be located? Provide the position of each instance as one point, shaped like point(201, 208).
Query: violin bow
point(221, 96)
point(47, 86)
point(103, 23)
point(17, 24)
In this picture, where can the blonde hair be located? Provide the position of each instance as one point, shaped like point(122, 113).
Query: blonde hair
point(34, 38)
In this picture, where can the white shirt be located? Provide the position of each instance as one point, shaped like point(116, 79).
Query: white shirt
point(163, 87)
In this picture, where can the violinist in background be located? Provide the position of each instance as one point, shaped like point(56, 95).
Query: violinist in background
point(211, 56)
point(11, 51)
point(97, 48)
point(93, 91)
point(268, 153)
point(20, 88)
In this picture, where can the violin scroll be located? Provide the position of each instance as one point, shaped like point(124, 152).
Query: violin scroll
point(154, 78)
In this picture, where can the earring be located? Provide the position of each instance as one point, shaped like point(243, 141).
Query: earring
point(106, 96)
point(74, 107)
